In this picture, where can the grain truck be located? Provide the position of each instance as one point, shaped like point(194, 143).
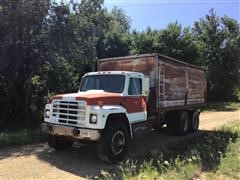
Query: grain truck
point(125, 96)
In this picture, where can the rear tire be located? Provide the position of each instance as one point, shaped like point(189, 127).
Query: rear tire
point(194, 123)
point(171, 121)
point(113, 143)
point(182, 123)
point(59, 143)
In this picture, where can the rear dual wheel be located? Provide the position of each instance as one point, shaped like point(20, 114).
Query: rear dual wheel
point(194, 123)
point(183, 122)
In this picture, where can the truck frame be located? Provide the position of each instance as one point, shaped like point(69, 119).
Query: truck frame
point(126, 95)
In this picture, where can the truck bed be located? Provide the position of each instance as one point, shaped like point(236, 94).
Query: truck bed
point(173, 84)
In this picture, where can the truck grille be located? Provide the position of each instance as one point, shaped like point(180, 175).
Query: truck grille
point(69, 112)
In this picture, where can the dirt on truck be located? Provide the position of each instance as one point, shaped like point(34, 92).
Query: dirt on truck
point(127, 95)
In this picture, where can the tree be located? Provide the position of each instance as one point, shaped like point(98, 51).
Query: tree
point(45, 48)
point(114, 40)
point(172, 41)
point(20, 55)
point(218, 47)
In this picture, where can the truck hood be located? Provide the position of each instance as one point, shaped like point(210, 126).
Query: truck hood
point(93, 97)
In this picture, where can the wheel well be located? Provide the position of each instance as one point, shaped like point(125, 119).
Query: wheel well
point(119, 117)
point(170, 115)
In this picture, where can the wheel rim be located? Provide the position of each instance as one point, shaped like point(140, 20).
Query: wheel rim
point(185, 123)
point(185, 126)
point(118, 142)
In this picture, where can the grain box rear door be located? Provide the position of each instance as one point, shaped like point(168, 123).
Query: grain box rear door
point(197, 86)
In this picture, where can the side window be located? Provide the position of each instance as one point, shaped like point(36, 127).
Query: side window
point(135, 86)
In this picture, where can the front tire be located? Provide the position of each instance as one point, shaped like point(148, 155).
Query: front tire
point(112, 146)
point(59, 143)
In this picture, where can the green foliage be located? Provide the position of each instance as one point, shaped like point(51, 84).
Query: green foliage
point(173, 41)
point(45, 49)
point(230, 165)
point(21, 50)
point(115, 39)
point(22, 137)
point(218, 40)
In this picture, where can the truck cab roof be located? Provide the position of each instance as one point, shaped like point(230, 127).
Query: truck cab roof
point(128, 73)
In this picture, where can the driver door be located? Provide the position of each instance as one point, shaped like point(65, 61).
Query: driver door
point(136, 102)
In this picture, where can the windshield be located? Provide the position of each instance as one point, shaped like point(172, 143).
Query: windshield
point(108, 83)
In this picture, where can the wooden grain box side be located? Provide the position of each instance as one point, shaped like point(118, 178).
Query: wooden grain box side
point(184, 85)
point(175, 81)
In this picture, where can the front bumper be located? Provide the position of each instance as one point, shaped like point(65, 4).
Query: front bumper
point(72, 132)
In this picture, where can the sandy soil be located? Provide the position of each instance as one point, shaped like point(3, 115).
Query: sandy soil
point(41, 162)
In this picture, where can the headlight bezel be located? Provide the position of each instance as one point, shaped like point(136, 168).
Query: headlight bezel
point(93, 118)
point(47, 113)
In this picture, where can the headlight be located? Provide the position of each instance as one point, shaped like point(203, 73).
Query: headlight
point(47, 113)
point(93, 119)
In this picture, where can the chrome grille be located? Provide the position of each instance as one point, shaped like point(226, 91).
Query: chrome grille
point(69, 112)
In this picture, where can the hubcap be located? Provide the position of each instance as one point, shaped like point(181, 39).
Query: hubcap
point(185, 123)
point(118, 142)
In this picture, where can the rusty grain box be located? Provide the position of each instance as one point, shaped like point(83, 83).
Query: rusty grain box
point(174, 85)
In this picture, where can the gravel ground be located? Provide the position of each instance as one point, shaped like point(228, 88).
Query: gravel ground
point(38, 161)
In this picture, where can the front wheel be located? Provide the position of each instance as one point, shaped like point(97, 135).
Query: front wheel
point(59, 143)
point(113, 143)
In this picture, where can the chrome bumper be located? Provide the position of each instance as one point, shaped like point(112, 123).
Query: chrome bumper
point(73, 132)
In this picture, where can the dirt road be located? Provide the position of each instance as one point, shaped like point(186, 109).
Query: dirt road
point(41, 162)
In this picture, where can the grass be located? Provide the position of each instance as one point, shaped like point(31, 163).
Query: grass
point(230, 163)
point(222, 106)
point(213, 155)
point(22, 137)
point(228, 167)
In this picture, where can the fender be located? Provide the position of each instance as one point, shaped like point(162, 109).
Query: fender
point(117, 112)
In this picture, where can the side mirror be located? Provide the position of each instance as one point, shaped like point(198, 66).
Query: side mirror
point(145, 88)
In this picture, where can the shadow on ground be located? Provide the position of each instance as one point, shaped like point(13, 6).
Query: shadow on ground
point(82, 160)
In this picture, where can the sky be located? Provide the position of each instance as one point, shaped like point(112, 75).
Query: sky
point(159, 13)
